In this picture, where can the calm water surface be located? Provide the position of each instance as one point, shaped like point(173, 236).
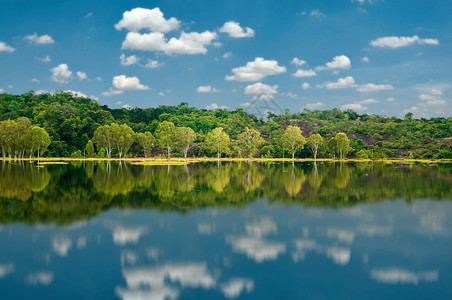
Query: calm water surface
point(234, 231)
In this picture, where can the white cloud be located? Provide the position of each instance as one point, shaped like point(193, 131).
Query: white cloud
point(161, 94)
point(45, 59)
point(152, 64)
point(187, 43)
point(227, 55)
point(290, 95)
point(397, 275)
point(236, 286)
point(403, 41)
point(427, 97)
point(354, 106)
point(340, 256)
point(370, 87)
point(10, 86)
point(42, 278)
point(61, 245)
point(81, 242)
point(5, 48)
point(256, 248)
point(437, 92)
point(35, 80)
point(315, 105)
point(362, 2)
point(61, 74)
point(305, 86)
point(2, 90)
point(81, 75)
point(234, 30)
point(76, 94)
point(127, 106)
point(369, 101)
point(43, 39)
point(214, 106)
point(6, 269)
point(256, 70)
point(206, 89)
point(130, 60)
point(316, 13)
point(122, 83)
point(339, 62)
point(90, 14)
point(342, 83)
point(342, 235)
point(435, 102)
point(259, 88)
point(298, 62)
point(365, 59)
point(143, 18)
point(304, 73)
point(39, 92)
point(390, 99)
point(98, 78)
point(261, 227)
point(123, 236)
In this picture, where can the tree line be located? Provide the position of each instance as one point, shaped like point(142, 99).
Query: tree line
point(71, 121)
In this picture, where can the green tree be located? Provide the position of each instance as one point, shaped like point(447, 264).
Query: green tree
point(331, 145)
point(104, 139)
point(165, 135)
point(314, 141)
point(250, 140)
point(7, 129)
point(38, 140)
point(123, 137)
point(217, 140)
point(343, 143)
point(90, 148)
point(184, 138)
point(292, 140)
point(147, 141)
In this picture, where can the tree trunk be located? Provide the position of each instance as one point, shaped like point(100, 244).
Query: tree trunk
point(341, 152)
point(38, 153)
point(293, 155)
point(169, 153)
point(218, 155)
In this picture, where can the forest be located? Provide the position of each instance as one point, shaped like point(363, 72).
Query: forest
point(63, 124)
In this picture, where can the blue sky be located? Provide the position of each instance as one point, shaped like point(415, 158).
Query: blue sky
point(384, 57)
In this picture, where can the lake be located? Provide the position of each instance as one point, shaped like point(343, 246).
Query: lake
point(229, 231)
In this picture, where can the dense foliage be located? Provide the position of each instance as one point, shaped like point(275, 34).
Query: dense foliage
point(72, 121)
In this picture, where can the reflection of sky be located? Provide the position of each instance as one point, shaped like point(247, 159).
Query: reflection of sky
point(234, 253)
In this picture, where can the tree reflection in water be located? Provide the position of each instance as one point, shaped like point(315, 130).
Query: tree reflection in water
point(67, 193)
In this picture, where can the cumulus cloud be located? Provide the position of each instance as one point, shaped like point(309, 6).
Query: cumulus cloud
point(161, 94)
point(354, 106)
point(316, 13)
point(397, 275)
point(61, 74)
point(35, 80)
point(340, 256)
point(259, 88)
point(256, 70)
point(227, 55)
point(341, 234)
point(122, 83)
point(290, 95)
point(214, 106)
point(43, 39)
point(341, 83)
point(257, 248)
point(187, 43)
point(298, 62)
point(143, 18)
point(76, 93)
point(370, 87)
point(206, 89)
point(236, 286)
point(42, 278)
point(305, 86)
point(315, 105)
point(6, 48)
point(365, 59)
point(130, 60)
point(339, 62)
point(123, 235)
point(304, 73)
point(6, 269)
point(45, 59)
point(61, 245)
point(81, 75)
point(403, 41)
point(152, 64)
point(234, 30)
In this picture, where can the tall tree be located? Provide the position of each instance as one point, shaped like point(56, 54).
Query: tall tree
point(103, 138)
point(165, 135)
point(184, 138)
point(343, 143)
point(123, 137)
point(292, 140)
point(250, 140)
point(331, 145)
point(147, 141)
point(217, 140)
point(314, 141)
point(90, 148)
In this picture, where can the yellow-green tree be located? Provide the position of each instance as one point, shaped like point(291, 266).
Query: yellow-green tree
point(314, 141)
point(165, 135)
point(343, 143)
point(217, 140)
point(250, 140)
point(147, 141)
point(184, 138)
point(292, 140)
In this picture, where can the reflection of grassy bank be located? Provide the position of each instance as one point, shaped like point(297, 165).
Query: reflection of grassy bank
point(79, 190)
point(181, 161)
